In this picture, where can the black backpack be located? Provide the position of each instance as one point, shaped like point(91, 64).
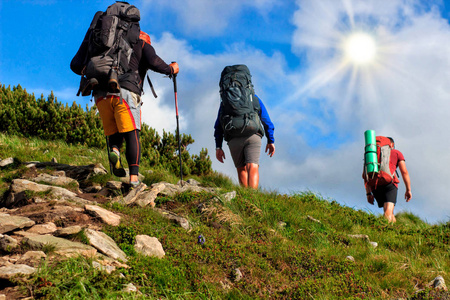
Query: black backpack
point(239, 106)
point(105, 53)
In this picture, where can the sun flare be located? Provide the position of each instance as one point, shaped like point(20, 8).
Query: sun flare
point(360, 48)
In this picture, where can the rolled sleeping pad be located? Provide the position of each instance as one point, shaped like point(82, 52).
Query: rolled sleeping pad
point(370, 154)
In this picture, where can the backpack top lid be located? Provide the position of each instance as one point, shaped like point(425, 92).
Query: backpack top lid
point(235, 69)
point(383, 141)
point(125, 11)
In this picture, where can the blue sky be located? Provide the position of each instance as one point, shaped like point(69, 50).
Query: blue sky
point(320, 100)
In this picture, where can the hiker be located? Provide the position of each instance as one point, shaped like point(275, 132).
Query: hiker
point(241, 126)
point(386, 195)
point(118, 97)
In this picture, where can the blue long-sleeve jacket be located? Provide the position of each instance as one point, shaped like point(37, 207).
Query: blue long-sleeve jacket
point(269, 128)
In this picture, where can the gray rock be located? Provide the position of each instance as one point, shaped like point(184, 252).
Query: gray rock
point(134, 194)
point(8, 243)
point(107, 269)
point(61, 246)
point(149, 246)
point(54, 160)
point(7, 161)
point(68, 231)
point(8, 272)
point(359, 236)
point(93, 189)
point(114, 185)
point(183, 222)
point(106, 216)
point(438, 283)
point(228, 197)
point(9, 223)
point(373, 244)
point(33, 256)
point(19, 186)
point(350, 258)
point(130, 288)
point(105, 244)
point(193, 182)
point(55, 180)
point(237, 275)
point(312, 219)
point(148, 197)
point(46, 228)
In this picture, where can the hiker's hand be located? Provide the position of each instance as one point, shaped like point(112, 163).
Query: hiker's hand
point(370, 199)
point(220, 155)
point(271, 149)
point(174, 67)
point(408, 196)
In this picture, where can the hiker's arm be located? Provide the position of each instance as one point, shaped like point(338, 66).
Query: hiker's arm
point(153, 61)
point(271, 149)
point(406, 179)
point(220, 155)
point(269, 128)
point(370, 197)
point(218, 131)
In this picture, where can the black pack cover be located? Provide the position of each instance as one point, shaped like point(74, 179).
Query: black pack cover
point(239, 106)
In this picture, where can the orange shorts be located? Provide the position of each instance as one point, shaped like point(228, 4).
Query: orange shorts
point(119, 112)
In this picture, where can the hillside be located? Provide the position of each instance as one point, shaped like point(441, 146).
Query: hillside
point(213, 240)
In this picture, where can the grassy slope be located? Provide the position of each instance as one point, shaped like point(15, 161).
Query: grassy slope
point(269, 237)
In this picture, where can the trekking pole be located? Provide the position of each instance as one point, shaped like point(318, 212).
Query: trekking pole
point(178, 125)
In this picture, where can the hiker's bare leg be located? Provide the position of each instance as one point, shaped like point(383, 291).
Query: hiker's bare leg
point(253, 175)
point(133, 178)
point(243, 176)
point(389, 211)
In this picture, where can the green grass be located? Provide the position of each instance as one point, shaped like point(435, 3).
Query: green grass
point(280, 251)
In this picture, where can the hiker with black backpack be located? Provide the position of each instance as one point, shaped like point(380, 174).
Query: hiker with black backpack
point(239, 120)
point(382, 184)
point(113, 60)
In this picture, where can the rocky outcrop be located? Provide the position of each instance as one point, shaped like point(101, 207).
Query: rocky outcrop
point(44, 210)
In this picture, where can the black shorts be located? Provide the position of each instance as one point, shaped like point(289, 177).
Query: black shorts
point(387, 193)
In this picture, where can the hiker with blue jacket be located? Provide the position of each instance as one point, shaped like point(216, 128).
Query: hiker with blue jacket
point(239, 120)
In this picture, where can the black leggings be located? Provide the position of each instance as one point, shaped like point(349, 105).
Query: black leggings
point(133, 150)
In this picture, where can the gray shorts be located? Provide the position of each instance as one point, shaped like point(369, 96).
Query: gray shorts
point(245, 150)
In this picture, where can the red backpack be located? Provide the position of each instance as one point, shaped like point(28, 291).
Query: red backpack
point(384, 176)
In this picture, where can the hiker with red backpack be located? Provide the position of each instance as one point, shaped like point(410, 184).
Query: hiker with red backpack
point(113, 60)
point(239, 120)
point(382, 183)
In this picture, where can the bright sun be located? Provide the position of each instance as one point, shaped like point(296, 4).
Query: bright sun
point(360, 48)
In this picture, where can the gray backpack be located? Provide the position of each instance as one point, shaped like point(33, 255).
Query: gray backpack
point(107, 48)
point(239, 106)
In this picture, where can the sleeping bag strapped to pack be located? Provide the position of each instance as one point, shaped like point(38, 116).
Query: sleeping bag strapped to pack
point(105, 53)
point(382, 175)
point(239, 106)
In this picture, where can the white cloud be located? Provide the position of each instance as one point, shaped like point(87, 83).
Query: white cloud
point(205, 17)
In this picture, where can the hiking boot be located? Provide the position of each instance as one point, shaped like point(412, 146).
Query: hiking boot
point(134, 184)
point(117, 167)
